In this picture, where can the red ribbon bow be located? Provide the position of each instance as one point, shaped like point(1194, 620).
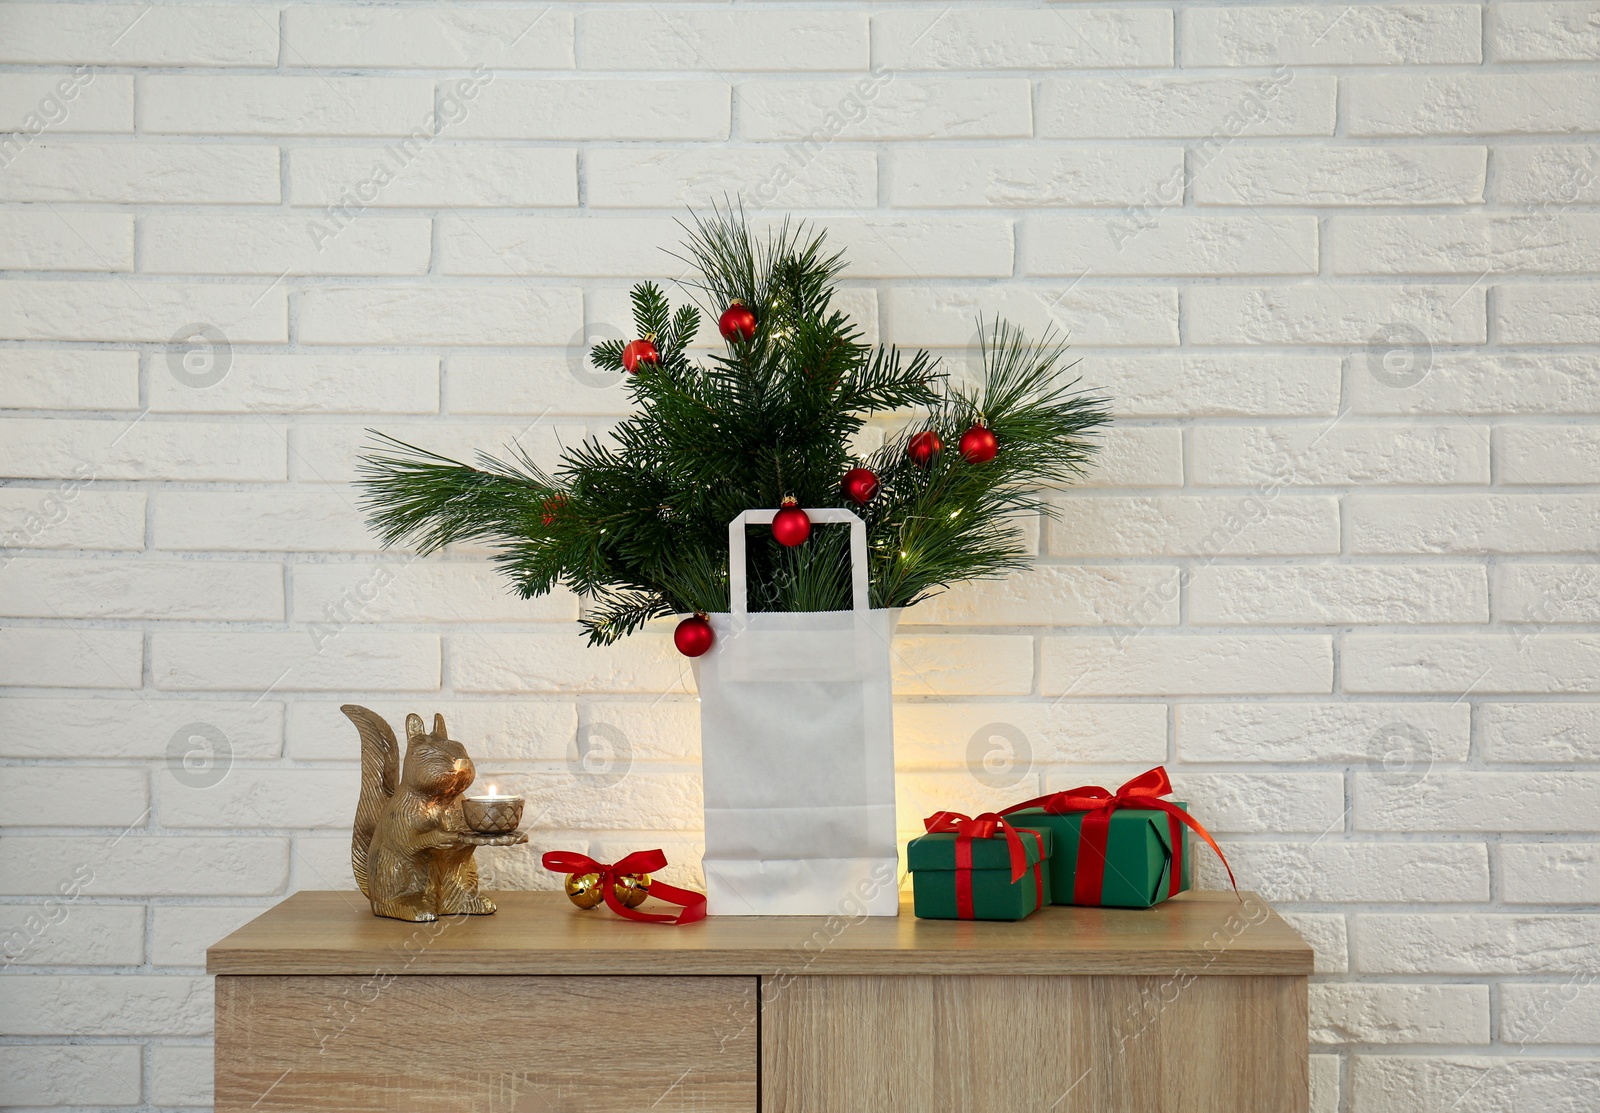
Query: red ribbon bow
point(640, 861)
point(1097, 804)
point(967, 828)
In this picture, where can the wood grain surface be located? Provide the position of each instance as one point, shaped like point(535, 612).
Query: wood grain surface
point(542, 933)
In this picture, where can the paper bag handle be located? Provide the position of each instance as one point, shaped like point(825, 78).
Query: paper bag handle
point(738, 587)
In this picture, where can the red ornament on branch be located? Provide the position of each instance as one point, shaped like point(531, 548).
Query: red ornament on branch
point(640, 352)
point(737, 322)
point(791, 525)
point(979, 444)
point(693, 636)
point(924, 447)
point(550, 508)
point(859, 484)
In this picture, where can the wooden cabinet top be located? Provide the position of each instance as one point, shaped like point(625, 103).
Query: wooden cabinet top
point(543, 933)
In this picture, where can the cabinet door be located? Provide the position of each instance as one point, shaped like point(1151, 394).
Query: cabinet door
point(470, 1044)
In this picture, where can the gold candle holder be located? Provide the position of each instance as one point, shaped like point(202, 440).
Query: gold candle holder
point(492, 813)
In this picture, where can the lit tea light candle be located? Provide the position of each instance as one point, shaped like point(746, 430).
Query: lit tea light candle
point(492, 812)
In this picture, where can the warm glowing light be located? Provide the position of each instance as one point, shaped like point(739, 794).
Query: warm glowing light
point(492, 791)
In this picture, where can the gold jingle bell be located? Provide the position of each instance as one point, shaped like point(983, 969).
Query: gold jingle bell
point(585, 890)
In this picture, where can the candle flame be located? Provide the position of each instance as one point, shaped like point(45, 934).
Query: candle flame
point(492, 791)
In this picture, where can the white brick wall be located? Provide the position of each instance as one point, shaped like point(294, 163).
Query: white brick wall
point(1334, 265)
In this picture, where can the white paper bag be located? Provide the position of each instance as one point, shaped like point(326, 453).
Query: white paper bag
point(797, 747)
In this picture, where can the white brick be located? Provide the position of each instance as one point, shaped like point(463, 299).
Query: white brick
point(536, 384)
point(1324, 35)
point(72, 1074)
point(1474, 943)
point(1325, 1096)
point(1548, 314)
point(144, 866)
point(590, 110)
point(1219, 386)
point(257, 382)
point(325, 520)
point(276, 798)
point(439, 314)
point(332, 453)
point(197, 243)
point(1195, 526)
point(433, 176)
point(924, 315)
point(1559, 732)
point(180, 934)
point(1550, 873)
point(1164, 664)
point(987, 664)
point(1338, 454)
point(1472, 104)
point(1488, 383)
point(905, 247)
point(38, 104)
point(123, 172)
point(43, 448)
point(51, 240)
point(1399, 1014)
point(1134, 243)
point(783, 177)
point(33, 656)
point(1321, 732)
point(181, 1075)
point(65, 516)
point(1556, 32)
point(1470, 245)
point(1064, 38)
point(135, 35)
point(1219, 109)
point(279, 105)
point(1271, 803)
point(68, 931)
point(904, 108)
point(1546, 1014)
point(135, 727)
point(1137, 456)
point(562, 661)
point(68, 379)
point(936, 735)
point(317, 660)
point(117, 309)
point(1473, 1084)
point(102, 1005)
point(598, 246)
point(975, 177)
point(1345, 176)
point(1547, 593)
point(31, 797)
point(1325, 314)
point(1335, 871)
point(1057, 595)
point(1480, 802)
point(1454, 664)
point(1473, 524)
point(419, 591)
point(492, 730)
point(1328, 594)
point(637, 39)
point(324, 863)
point(1328, 938)
point(1545, 175)
point(41, 588)
point(439, 38)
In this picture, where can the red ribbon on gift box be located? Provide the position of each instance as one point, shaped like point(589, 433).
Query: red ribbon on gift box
point(1143, 791)
point(967, 828)
point(640, 861)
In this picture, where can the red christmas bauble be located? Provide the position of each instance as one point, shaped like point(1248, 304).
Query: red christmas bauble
point(693, 636)
point(924, 447)
point(791, 525)
point(550, 508)
point(979, 444)
point(859, 484)
point(640, 351)
point(737, 322)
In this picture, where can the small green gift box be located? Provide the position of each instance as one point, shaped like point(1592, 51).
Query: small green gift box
point(1138, 856)
point(978, 869)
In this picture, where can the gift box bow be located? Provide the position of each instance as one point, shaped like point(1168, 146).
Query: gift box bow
point(1097, 804)
point(985, 826)
point(640, 861)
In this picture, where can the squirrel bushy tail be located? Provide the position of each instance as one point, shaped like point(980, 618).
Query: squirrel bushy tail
point(380, 776)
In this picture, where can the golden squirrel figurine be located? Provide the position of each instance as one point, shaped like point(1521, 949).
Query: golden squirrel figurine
point(411, 848)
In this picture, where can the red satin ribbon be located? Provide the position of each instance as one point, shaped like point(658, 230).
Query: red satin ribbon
point(1097, 805)
point(640, 861)
point(965, 829)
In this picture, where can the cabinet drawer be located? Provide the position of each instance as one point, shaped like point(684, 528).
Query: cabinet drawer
point(477, 1044)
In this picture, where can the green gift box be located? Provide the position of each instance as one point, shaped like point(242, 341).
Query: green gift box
point(1139, 855)
point(937, 886)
